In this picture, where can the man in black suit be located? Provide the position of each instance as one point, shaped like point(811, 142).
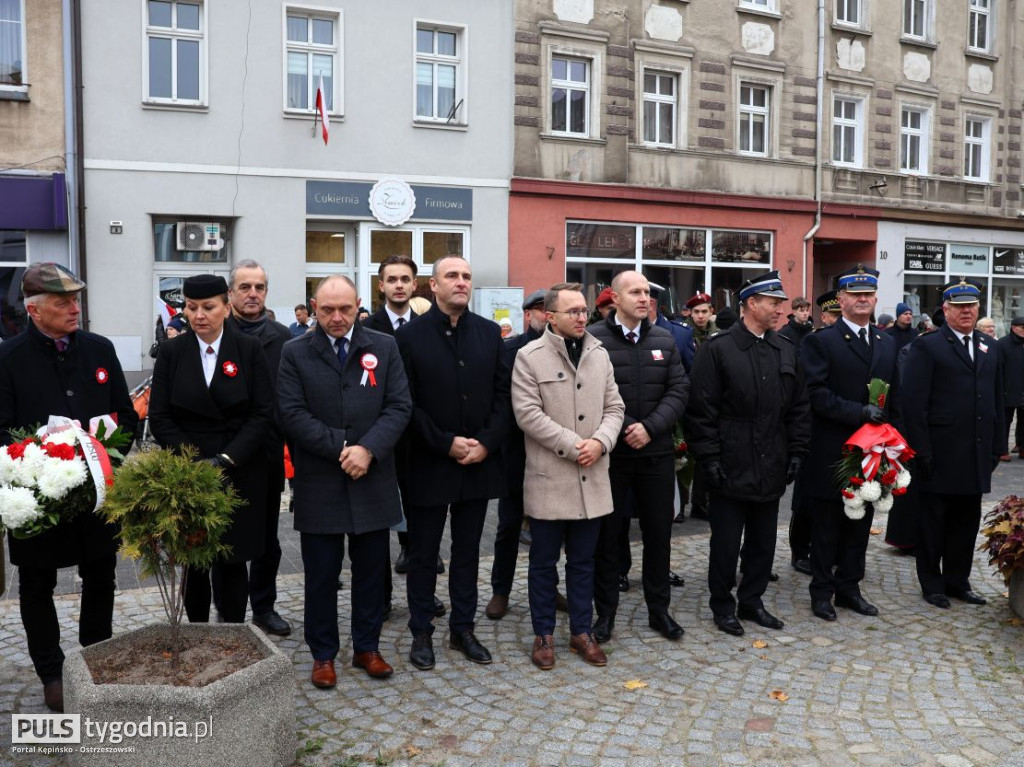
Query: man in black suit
point(344, 404)
point(953, 382)
point(54, 368)
point(460, 382)
point(396, 279)
point(839, 362)
point(247, 293)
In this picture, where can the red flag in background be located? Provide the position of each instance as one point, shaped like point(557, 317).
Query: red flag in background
point(321, 108)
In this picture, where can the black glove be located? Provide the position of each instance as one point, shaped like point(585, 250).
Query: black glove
point(714, 474)
point(795, 462)
point(216, 462)
point(872, 414)
point(924, 466)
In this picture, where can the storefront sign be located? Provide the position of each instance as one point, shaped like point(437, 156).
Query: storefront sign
point(392, 201)
point(1008, 261)
point(352, 199)
point(968, 259)
point(338, 198)
point(924, 257)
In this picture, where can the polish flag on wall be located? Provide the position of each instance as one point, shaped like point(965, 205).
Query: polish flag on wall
point(321, 108)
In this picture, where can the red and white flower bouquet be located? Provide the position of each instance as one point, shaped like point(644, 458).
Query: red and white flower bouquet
point(872, 470)
point(56, 472)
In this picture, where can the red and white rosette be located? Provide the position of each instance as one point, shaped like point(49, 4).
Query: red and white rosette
point(102, 376)
point(230, 369)
point(369, 364)
point(93, 452)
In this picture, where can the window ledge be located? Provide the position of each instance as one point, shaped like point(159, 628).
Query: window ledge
point(13, 95)
point(164, 107)
point(758, 11)
point(975, 54)
point(293, 115)
point(904, 40)
point(463, 127)
point(657, 148)
point(573, 139)
point(852, 29)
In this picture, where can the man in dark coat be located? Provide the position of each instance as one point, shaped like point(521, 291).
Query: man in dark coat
point(748, 424)
point(460, 385)
point(903, 330)
point(247, 292)
point(510, 507)
point(839, 363)
point(956, 426)
point(53, 368)
point(1011, 353)
point(344, 403)
point(654, 386)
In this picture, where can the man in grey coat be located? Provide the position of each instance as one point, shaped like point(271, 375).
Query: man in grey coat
point(344, 402)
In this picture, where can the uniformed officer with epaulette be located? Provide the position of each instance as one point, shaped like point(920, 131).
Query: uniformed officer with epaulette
point(748, 425)
point(828, 306)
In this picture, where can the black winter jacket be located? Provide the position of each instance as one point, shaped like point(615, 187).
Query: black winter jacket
point(652, 383)
point(1011, 351)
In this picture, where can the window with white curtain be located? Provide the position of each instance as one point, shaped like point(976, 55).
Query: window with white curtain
point(846, 131)
point(660, 99)
point(754, 118)
point(976, 148)
point(979, 20)
point(12, 43)
point(312, 51)
point(175, 53)
point(914, 140)
point(570, 96)
point(440, 74)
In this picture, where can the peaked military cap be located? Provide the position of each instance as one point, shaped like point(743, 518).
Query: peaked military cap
point(767, 284)
point(859, 279)
point(962, 291)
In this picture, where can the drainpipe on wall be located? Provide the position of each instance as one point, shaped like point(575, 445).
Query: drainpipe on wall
point(70, 152)
point(820, 90)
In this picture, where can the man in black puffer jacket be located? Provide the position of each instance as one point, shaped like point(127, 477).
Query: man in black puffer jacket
point(654, 387)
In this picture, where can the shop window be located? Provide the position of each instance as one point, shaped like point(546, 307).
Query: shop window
point(13, 260)
point(923, 293)
point(12, 45)
point(312, 50)
point(440, 73)
point(325, 248)
point(193, 240)
point(425, 245)
point(1007, 299)
point(674, 244)
point(175, 53)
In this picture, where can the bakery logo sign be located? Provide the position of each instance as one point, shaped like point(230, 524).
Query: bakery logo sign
point(392, 201)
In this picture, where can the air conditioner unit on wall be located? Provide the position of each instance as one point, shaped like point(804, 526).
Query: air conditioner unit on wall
point(198, 235)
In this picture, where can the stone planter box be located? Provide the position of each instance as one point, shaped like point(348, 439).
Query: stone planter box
point(1016, 587)
point(250, 714)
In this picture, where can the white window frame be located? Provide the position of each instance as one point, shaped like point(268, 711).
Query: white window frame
point(571, 86)
point(859, 6)
point(927, 19)
point(23, 87)
point(923, 134)
point(460, 117)
point(174, 34)
point(661, 102)
point(751, 110)
point(336, 50)
point(856, 123)
point(366, 270)
point(983, 143)
point(769, 6)
point(980, 10)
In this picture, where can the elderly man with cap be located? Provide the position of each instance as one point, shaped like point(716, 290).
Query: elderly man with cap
point(902, 330)
point(54, 368)
point(1011, 352)
point(510, 507)
point(839, 362)
point(956, 426)
point(747, 424)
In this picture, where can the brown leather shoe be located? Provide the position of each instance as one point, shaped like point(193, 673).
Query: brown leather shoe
point(323, 675)
point(497, 607)
point(373, 664)
point(586, 646)
point(544, 652)
point(53, 695)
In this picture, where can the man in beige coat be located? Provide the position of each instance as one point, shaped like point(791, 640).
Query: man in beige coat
point(567, 403)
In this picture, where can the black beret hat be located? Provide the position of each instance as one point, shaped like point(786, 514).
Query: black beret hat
point(202, 286)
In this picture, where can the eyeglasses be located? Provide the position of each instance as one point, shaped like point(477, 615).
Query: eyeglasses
point(574, 313)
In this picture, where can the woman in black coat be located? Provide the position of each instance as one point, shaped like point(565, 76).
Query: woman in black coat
point(212, 390)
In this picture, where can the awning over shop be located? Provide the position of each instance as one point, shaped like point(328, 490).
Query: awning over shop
point(33, 202)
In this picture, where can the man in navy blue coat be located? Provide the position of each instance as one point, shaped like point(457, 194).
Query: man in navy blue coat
point(839, 363)
point(460, 385)
point(953, 377)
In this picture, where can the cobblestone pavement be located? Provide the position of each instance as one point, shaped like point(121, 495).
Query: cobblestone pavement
point(915, 686)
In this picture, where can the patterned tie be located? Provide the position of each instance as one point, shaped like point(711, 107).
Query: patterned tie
point(209, 350)
point(631, 337)
point(341, 347)
point(62, 345)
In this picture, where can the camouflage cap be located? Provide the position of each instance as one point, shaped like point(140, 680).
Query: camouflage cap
point(49, 277)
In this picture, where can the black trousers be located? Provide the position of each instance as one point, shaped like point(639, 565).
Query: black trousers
point(651, 482)
point(426, 528)
point(322, 557)
point(580, 539)
point(945, 544)
point(228, 580)
point(263, 570)
point(39, 616)
point(699, 496)
point(800, 524)
point(1019, 431)
point(838, 544)
point(755, 524)
point(506, 543)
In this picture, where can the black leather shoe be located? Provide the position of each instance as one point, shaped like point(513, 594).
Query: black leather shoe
point(858, 604)
point(402, 563)
point(623, 583)
point(679, 518)
point(729, 625)
point(773, 577)
point(603, 627)
point(823, 609)
point(968, 596)
point(675, 580)
point(53, 695)
point(272, 623)
point(760, 616)
point(439, 608)
point(802, 566)
point(467, 643)
point(421, 655)
point(665, 625)
point(699, 512)
point(937, 600)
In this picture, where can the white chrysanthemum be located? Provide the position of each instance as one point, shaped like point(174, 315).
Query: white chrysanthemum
point(65, 437)
point(8, 468)
point(856, 502)
point(883, 504)
point(854, 512)
point(870, 491)
point(903, 478)
point(58, 477)
point(32, 463)
point(17, 506)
